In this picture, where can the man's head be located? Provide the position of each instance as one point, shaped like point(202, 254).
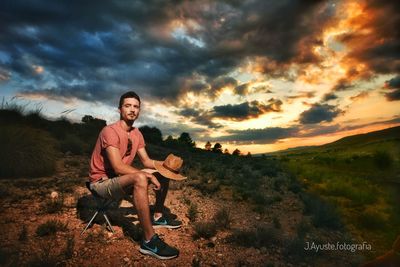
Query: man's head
point(129, 94)
point(129, 106)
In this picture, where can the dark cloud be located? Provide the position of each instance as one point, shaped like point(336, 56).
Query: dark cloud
point(126, 44)
point(360, 95)
point(319, 113)
point(199, 116)
point(246, 110)
point(302, 95)
point(329, 96)
point(258, 136)
point(342, 85)
point(394, 86)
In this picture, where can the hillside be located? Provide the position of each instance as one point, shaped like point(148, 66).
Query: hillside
point(236, 210)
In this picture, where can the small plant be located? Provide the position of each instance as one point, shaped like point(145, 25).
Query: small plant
point(322, 214)
point(262, 236)
point(23, 236)
point(51, 227)
point(223, 218)
point(277, 223)
point(53, 205)
point(383, 160)
point(204, 229)
point(192, 212)
point(69, 247)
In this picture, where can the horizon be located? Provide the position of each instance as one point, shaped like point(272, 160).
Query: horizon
point(239, 73)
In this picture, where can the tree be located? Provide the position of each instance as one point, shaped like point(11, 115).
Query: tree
point(151, 134)
point(236, 152)
point(186, 140)
point(217, 148)
point(208, 146)
point(226, 151)
point(248, 154)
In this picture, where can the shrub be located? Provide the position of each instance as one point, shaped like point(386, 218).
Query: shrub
point(263, 236)
point(72, 143)
point(192, 212)
point(51, 227)
point(53, 205)
point(322, 214)
point(204, 229)
point(223, 218)
point(383, 160)
point(23, 236)
point(26, 152)
point(372, 220)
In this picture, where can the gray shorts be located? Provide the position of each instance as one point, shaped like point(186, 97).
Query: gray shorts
point(108, 188)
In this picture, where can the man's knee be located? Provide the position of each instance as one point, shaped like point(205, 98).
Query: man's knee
point(139, 180)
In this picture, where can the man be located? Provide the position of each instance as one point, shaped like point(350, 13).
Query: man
point(112, 176)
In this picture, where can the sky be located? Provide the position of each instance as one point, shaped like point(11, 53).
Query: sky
point(257, 75)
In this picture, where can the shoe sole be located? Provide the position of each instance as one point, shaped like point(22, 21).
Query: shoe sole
point(151, 253)
point(166, 226)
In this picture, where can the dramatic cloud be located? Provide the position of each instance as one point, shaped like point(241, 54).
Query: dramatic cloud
point(394, 86)
point(246, 110)
point(259, 136)
point(319, 113)
point(329, 96)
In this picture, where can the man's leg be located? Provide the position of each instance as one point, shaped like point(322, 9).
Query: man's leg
point(140, 199)
point(152, 244)
point(161, 195)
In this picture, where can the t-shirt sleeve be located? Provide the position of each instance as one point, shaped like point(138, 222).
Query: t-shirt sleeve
point(141, 144)
point(108, 137)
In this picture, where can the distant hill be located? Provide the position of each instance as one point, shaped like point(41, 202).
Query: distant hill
point(358, 139)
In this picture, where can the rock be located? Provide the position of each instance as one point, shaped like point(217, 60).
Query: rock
point(54, 195)
point(213, 239)
point(126, 260)
point(220, 254)
point(33, 219)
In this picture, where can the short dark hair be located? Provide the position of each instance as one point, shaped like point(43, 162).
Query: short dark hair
point(129, 94)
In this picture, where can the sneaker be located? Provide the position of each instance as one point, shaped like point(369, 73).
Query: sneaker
point(166, 222)
point(156, 247)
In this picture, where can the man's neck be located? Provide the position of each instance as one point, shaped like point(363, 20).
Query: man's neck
point(126, 125)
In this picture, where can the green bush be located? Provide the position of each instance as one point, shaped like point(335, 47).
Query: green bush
point(322, 214)
point(383, 160)
point(26, 152)
point(371, 220)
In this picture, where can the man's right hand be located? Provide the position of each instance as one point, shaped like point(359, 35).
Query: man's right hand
point(153, 180)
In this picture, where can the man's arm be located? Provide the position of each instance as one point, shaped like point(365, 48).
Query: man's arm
point(118, 166)
point(146, 160)
point(121, 168)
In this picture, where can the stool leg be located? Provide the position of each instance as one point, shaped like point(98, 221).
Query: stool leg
point(108, 222)
point(90, 222)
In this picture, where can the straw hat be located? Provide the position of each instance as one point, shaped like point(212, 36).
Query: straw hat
point(170, 167)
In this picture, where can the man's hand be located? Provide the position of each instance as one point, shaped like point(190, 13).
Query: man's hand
point(153, 180)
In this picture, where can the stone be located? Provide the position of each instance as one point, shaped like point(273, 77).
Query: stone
point(54, 195)
point(126, 260)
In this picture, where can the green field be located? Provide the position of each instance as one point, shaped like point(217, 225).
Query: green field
point(360, 176)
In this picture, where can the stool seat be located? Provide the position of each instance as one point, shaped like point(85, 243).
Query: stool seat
point(102, 205)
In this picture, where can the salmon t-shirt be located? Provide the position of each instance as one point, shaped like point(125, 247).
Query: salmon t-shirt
point(113, 135)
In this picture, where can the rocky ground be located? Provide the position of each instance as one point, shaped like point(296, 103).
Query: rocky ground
point(26, 204)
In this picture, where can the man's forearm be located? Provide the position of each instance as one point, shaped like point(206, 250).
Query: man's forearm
point(123, 169)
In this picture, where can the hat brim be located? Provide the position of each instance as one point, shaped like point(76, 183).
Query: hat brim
point(167, 173)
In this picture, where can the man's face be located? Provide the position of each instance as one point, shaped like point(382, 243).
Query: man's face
point(130, 109)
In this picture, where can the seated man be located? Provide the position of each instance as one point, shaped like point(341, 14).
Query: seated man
point(112, 176)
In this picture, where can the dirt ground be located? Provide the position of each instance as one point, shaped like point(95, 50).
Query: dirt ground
point(23, 210)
